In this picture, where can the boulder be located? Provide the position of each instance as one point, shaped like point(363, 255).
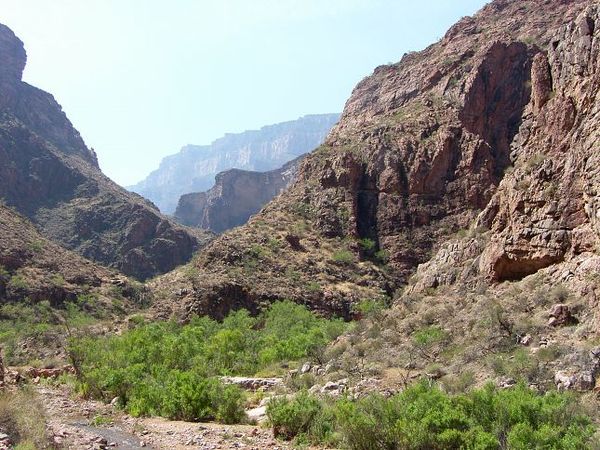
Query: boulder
point(253, 384)
point(560, 315)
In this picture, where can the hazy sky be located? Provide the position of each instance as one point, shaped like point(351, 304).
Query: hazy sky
point(141, 78)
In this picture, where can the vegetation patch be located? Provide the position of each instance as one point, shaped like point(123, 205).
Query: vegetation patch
point(171, 370)
point(39, 320)
point(22, 418)
point(425, 417)
point(343, 257)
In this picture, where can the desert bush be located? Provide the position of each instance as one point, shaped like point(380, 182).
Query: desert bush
point(289, 418)
point(313, 286)
point(560, 293)
point(36, 246)
point(368, 247)
point(17, 282)
point(372, 308)
point(57, 280)
point(170, 370)
point(301, 381)
point(302, 209)
point(459, 383)
point(424, 417)
point(382, 256)
point(523, 366)
point(181, 395)
point(29, 318)
point(292, 332)
point(427, 340)
point(343, 257)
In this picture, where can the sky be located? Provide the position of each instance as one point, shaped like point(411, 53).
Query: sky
point(141, 78)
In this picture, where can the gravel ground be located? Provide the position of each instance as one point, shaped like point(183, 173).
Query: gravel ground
point(75, 424)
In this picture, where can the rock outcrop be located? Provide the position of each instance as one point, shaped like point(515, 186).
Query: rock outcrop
point(194, 168)
point(426, 148)
point(521, 284)
point(546, 209)
point(48, 174)
point(236, 195)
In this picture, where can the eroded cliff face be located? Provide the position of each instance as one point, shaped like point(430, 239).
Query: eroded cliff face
point(236, 195)
point(48, 174)
point(419, 154)
point(546, 209)
point(523, 279)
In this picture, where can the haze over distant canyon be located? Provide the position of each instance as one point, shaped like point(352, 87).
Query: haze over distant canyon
point(194, 168)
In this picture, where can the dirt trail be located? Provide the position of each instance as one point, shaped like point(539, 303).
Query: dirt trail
point(75, 424)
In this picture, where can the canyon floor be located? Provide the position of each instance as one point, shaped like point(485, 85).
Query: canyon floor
point(75, 423)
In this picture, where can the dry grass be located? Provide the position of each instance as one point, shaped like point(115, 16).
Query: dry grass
point(22, 418)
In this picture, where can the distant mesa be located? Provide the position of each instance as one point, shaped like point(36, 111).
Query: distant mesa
point(236, 195)
point(195, 167)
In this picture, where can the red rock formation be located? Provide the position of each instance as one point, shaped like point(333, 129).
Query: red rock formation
point(545, 210)
point(420, 151)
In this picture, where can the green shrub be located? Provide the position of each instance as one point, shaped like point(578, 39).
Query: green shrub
point(382, 257)
point(170, 370)
point(289, 418)
point(291, 332)
point(429, 335)
point(274, 245)
point(36, 246)
point(343, 257)
point(424, 417)
point(18, 282)
point(368, 245)
point(258, 251)
point(372, 308)
point(191, 272)
point(180, 395)
point(99, 421)
point(41, 321)
point(57, 280)
point(293, 275)
point(313, 286)
point(460, 383)
point(365, 424)
point(302, 381)
point(302, 209)
point(229, 405)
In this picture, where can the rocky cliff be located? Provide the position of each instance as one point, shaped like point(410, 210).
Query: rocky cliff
point(48, 174)
point(460, 187)
point(194, 168)
point(420, 151)
point(236, 195)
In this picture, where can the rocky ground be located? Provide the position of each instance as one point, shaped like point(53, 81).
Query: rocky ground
point(81, 424)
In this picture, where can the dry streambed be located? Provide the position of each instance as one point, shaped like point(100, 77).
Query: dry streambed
point(83, 424)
